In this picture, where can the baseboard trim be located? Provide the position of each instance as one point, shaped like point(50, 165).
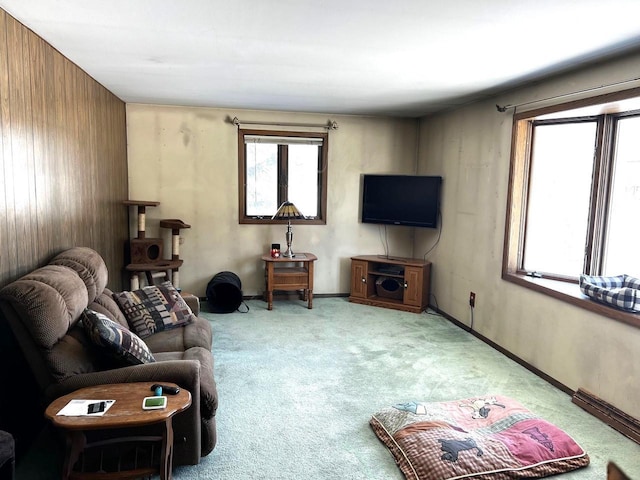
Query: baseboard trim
point(290, 295)
point(612, 416)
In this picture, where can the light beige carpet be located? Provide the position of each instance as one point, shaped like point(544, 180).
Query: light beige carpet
point(297, 388)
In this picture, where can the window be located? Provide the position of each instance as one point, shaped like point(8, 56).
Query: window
point(277, 166)
point(574, 193)
point(559, 175)
point(620, 254)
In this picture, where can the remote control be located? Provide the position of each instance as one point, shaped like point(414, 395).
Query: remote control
point(166, 389)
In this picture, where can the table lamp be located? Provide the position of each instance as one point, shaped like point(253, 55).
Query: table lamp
point(288, 210)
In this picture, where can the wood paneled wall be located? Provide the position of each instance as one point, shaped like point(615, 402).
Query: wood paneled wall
point(63, 158)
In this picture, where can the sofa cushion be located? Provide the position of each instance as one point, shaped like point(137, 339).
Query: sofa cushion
point(89, 266)
point(154, 308)
point(106, 305)
point(49, 302)
point(116, 340)
point(75, 354)
point(198, 333)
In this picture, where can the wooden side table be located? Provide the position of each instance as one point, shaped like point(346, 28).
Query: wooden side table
point(126, 412)
point(289, 274)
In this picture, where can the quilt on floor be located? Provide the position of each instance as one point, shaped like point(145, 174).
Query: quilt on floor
point(481, 438)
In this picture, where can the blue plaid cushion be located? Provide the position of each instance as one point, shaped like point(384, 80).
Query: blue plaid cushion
point(622, 291)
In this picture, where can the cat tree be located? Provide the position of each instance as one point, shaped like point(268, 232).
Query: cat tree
point(147, 253)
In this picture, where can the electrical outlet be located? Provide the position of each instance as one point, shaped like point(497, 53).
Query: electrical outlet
point(472, 299)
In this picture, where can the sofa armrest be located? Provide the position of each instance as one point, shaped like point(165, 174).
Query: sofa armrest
point(192, 301)
point(185, 373)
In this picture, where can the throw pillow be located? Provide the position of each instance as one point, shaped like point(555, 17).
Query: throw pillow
point(154, 308)
point(115, 339)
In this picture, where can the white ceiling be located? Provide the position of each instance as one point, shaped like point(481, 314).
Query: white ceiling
point(390, 57)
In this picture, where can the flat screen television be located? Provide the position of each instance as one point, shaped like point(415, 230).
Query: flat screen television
point(411, 200)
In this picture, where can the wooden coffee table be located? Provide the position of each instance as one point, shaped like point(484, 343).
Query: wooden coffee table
point(126, 412)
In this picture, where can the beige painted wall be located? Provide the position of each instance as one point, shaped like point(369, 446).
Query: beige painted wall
point(186, 158)
point(470, 147)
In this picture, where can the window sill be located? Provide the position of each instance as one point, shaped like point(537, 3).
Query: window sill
point(570, 293)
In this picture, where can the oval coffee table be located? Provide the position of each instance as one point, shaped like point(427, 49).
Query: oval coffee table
point(126, 412)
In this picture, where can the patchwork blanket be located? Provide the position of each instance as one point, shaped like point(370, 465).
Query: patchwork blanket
point(481, 438)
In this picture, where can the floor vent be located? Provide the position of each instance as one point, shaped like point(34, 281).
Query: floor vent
point(609, 414)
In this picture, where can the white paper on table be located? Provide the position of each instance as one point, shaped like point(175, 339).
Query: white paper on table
point(79, 408)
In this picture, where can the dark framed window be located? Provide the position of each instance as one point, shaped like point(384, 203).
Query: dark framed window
point(279, 166)
point(559, 197)
point(574, 186)
point(583, 182)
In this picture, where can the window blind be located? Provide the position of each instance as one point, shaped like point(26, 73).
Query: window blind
point(282, 140)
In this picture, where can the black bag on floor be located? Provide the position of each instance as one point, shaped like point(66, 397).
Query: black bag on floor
point(224, 293)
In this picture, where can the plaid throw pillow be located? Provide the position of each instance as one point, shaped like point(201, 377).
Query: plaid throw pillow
point(487, 437)
point(154, 308)
point(622, 291)
point(116, 340)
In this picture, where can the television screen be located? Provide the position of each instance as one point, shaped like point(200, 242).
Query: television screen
point(411, 200)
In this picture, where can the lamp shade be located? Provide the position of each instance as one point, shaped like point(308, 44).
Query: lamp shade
point(287, 211)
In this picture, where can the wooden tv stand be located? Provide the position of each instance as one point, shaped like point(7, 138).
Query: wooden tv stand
point(390, 282)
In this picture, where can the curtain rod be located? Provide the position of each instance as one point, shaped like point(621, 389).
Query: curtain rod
point(504, 108)
point(330, 125)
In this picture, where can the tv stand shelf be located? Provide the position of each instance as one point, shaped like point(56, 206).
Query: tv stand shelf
point(390, 282)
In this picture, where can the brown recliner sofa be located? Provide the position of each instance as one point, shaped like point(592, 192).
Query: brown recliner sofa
point(44, 310)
